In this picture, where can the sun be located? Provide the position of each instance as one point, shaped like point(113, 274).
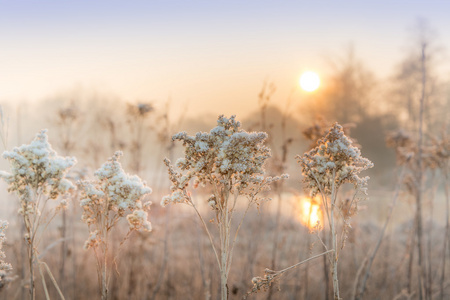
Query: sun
point(309, 81)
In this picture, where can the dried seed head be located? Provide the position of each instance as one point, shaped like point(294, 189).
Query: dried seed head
point(333, 161)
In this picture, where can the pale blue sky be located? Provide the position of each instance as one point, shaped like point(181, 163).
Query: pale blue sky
point(214, 53)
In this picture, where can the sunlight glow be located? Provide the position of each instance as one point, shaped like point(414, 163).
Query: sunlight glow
point(310, 213)
point(309, 81)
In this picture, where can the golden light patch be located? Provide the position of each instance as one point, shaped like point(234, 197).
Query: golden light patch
point(310, 213)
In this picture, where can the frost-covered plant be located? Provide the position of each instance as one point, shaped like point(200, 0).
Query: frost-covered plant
point(423, 161)
point(137, 115)
point(325, 168)
point(37, 175)
point(5, 268)
point(113, 196)
point(229, 161)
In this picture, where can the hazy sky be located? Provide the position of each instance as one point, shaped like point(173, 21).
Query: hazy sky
point(213, 54)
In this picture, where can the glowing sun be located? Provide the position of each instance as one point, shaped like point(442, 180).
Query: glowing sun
point(309, 81)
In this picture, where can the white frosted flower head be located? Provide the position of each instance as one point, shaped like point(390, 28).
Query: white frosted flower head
point(225, 154)
point(334, 154)
point(124, 191)
point(113, 194)
point(37, 166)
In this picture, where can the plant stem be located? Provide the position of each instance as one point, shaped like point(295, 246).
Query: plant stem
point(165, 260)
point(326, 278)
point(104, 269)
point(447, 231)
point(419, 178)
point(224, 238)
point(362, 288)
point(63, 250)
point(275, 243)
point(31, 260)
point(334, 260)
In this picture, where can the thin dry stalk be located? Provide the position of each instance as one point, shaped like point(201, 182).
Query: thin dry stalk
point(165, 259)
point(137, 115)
point(66, 120)
point(423, 286)
point(280, 166)
point(369, 260)
point(271, 276)
point(447, 232)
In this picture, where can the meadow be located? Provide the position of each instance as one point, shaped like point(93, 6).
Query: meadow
point(284, 248)
point(324, 195)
